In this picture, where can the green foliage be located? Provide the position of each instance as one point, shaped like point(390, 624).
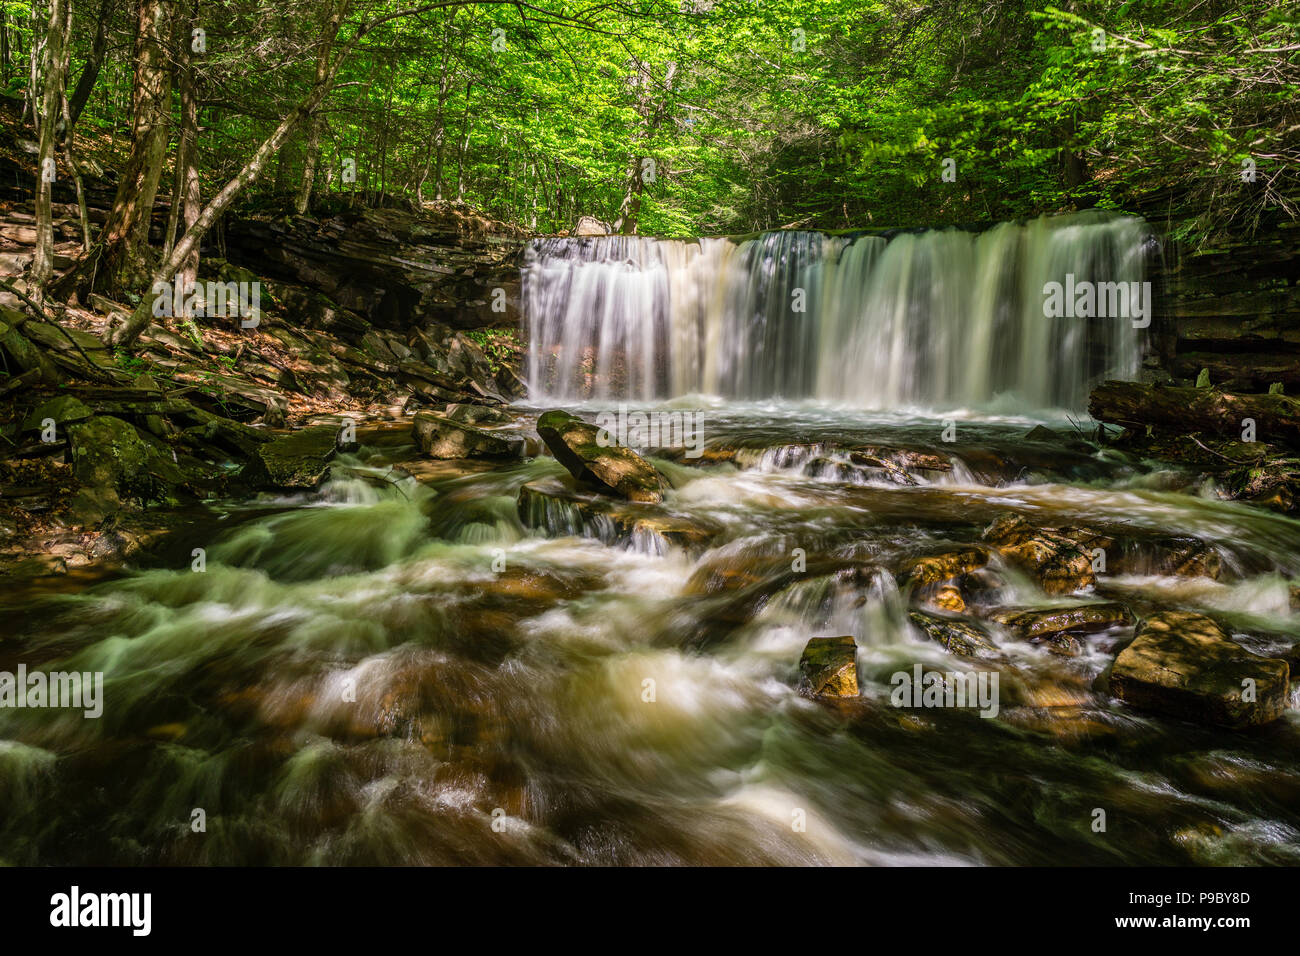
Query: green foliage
point(816, 113)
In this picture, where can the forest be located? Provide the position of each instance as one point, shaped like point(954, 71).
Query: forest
point(644, 433)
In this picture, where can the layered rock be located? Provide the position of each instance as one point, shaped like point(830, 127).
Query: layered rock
point(442, 437)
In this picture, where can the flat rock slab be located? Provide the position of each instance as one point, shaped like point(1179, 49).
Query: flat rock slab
point(1185, 665)
point(1028, 623)
point(62, 410)
point(829, 667)
point(297, 460)
point(440, 437)
point(956, 636)
point(579, 447)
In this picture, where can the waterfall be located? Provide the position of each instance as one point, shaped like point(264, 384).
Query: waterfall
point(943, 317)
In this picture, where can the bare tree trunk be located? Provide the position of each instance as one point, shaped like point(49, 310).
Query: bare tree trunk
point(90, 73)
point(4, 45)
point(652, 113)
point(303, 202)
point(55, 70)
point(69, 143)
point(185, 189)
point(326, 72)
point(125, 234)
point(34, 70)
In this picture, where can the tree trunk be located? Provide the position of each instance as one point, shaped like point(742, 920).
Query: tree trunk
point(186, 199)
point(125, 236)
point(303, 202)
point(90, 73)
point(1276, 417)
point(55, 70)
point(189, 243)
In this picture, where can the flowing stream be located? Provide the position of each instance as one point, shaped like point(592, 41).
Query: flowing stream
point(410, 668)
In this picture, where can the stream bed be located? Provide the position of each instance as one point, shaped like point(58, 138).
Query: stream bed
point(409, 666)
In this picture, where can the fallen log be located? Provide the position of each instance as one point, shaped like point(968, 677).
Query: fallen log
point(1183, 410)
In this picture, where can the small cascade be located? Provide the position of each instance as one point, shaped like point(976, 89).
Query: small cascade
point(935, 318)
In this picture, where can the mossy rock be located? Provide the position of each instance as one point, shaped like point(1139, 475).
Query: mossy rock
point(828, 667)
point(1185, 665)
point(595, 459)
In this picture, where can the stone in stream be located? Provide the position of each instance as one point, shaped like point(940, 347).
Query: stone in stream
point(578, 446)
point(558, 508)
point(1185, 665)
point(441, 437)
point(828, 667)
point(1060, 559)
point(297, 460)
point(1055, 626)
point(937, 568)
point(957, 636)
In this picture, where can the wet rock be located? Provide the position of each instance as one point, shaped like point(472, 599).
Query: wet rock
point(1060, 559)
point(957, 636)
point(829, 668)
point(611, 467)
point(937, 568)
point(560, 509)
point(1055, 626)
point(1041, 433)
point(1185, 665)
point(1182, 557)
point(1080, 618)
point(441, 437)
point(294, 461)
point(947, 597)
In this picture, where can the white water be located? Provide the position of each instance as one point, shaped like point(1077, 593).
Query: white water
point(936, 318)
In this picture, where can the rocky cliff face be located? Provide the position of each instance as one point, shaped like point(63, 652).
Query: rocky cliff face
point(1233, 308)
point(395, 268)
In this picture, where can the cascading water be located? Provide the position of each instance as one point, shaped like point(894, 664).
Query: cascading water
point(933, 318)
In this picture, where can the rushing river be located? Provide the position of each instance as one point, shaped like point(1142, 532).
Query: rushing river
point(400, 671)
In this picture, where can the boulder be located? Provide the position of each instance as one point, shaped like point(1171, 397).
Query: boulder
point(1185, 665)
point(298, 460)
point(957, 636)
point(829, 667)
point(441, 437)
point(109, 460)
point(1059, 558)
point(579, 447)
